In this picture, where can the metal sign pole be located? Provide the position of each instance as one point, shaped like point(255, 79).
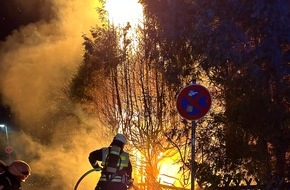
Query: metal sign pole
point(193, 129)
point(192, 103)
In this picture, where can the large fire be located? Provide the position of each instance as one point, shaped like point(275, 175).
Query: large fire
point(122, 11)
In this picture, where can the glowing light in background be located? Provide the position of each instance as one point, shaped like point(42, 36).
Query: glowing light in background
point(123, 11)
point(120, 12)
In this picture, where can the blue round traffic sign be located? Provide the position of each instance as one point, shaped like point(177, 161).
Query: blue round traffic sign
point(193, 102)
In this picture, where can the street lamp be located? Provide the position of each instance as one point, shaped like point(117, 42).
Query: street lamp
point(7, 140)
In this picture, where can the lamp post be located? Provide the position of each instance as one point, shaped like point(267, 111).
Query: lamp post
point(7, 139)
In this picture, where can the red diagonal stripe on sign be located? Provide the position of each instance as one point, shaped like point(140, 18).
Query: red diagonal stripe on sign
point(194, 101)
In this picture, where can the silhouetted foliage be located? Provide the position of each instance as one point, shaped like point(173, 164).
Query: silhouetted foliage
point(239, 48)
point(124, 87)
point(244, 48)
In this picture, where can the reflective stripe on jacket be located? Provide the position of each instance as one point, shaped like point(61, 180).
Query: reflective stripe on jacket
point(116, 178)
point(124, 158)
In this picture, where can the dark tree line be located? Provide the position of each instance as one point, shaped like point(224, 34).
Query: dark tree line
point(244, 47)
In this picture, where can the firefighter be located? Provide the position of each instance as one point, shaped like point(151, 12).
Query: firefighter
point(13, 175)
point(116, 171)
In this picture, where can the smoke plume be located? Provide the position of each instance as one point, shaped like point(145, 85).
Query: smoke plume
point(38, 61)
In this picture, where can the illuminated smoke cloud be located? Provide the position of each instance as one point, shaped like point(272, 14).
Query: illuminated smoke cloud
point(37, 62)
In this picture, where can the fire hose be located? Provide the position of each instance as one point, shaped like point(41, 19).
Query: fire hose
point(96, 169)
point(84, 175)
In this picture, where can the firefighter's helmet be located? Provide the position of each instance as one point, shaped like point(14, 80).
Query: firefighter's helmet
point(20, 169)
point(121, 138)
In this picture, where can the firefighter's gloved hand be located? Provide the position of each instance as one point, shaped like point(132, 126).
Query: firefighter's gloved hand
point(96, 166)
point(130, 183)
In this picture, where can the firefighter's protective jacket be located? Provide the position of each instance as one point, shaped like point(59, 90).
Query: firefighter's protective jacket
point(125, 165)
point(7, 180)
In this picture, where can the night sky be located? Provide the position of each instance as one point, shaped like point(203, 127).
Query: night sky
point(14, 14)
